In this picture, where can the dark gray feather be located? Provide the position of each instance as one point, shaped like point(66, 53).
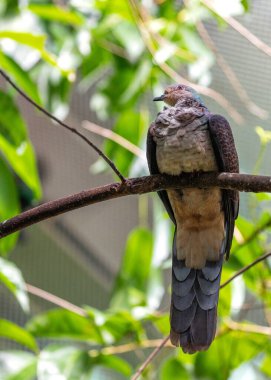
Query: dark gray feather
point(181, 289)
point(182, 303)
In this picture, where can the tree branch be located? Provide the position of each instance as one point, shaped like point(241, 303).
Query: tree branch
point(248, 327)
point(55, 300)
point(64, 125)
point(142, 185)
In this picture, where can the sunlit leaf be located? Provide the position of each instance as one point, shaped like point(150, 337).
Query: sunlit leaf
point(37, 42)
point(18, 334)
point(12, 278)
point(55, 13)
point(17, 365)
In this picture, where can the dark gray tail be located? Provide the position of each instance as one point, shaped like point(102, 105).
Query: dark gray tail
point(194, 301)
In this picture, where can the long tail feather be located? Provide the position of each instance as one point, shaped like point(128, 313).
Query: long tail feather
point(194, 303)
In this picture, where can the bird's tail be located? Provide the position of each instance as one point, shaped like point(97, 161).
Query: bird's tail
point(194, 301)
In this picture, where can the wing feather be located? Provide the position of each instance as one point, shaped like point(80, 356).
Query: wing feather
point(153, 167)
point(227, 160)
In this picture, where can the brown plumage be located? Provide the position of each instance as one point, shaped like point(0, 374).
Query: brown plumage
point(187, 138)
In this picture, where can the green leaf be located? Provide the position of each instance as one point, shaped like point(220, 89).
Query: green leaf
point(17, 365)
point(9, 203)
point(60, 323)
point(15, 145)
point(115, 363)
point(20, 77)
point(18, 334)
point(132, 280)
point(12, 278)
point(71, 363)
point(115, 325)
point(37, 42)
point(55, 13)
point(173, 369)
point(244, 346)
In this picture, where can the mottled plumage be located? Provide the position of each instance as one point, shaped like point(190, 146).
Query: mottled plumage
point(186, 137)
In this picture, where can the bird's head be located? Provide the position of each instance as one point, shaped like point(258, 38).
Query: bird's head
point(173, 94)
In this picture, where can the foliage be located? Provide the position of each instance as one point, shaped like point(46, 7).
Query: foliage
point(120, 48)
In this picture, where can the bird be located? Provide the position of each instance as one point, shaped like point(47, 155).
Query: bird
point(187, 137)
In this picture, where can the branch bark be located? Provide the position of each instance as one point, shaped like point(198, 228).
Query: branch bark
point(142, 185)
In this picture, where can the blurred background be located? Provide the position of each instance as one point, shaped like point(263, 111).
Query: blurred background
point(103, 62)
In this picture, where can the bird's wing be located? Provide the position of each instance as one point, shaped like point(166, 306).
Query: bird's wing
point(153, 167)
point(227, 160)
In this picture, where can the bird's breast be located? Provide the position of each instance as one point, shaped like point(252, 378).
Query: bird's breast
point(184, 149)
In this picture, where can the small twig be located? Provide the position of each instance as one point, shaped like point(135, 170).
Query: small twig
point(55, 300)
point(64, 125)
point(247, 267)
point(108, 134)
point(259, 44)
point(121, 349)
point(150, 358)
point(142, 185)
point(248, 328)
point(230, 74)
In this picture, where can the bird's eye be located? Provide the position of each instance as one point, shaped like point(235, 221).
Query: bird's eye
point(180, 87)
point(166, 92)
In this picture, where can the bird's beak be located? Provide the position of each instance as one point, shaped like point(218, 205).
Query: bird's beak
point(159, 98)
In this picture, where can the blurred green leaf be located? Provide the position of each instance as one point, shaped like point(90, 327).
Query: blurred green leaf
point(12, 278)
point(173, 369)
point(266, 367)
point(55, 13)
point(9, 203)
point(37, 42)
point(135, 268)
point(20, 77)
point(17, 365)
point(15, 145)
point(18, 334)
point(115, 363)
point(235, 348)
point(115, 325)
point(61, 323)
point(9, 8)
point(74, 363)
point(63, 362)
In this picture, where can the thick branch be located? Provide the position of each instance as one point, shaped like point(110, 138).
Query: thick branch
point(142, 185)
